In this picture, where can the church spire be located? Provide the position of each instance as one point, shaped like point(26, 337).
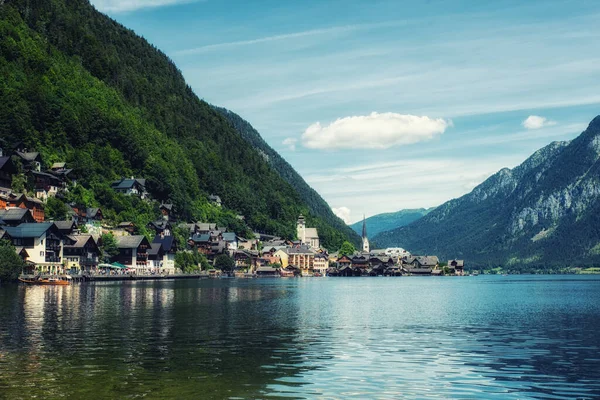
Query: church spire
point(365, 241)
point(364, 231)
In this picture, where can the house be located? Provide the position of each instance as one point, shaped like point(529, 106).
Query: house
point(7, 170)
point(46, 185)
point(360, 261)
point(231, 239)
point(42, 242)
point(267, 271)
point(344, 261)
point(66, 227)
point(302, 257)
point(58, 166)
point(16, 216)
point(457, 266)
point(161, 227)
point(284, 258)
point(321, 263)
point(216, 200)
point(308, 236)
point(32, 161)
point(204, 228)
point(245, 258)
point(34, 205)
point(131, 186)
point(166, 209)
point(127, 226)
point(81, 253)
point(209, 244)
point(93, 215)
point(162, 254)
point(420, 265)
point(133, 252)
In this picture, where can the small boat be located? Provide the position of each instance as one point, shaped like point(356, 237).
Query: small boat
point(318, 274)
point(47, 281)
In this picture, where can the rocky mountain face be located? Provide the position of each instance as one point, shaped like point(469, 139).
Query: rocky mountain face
point(387, 221)
point(543, 213)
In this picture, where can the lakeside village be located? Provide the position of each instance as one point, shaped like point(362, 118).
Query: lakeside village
point(74, 246)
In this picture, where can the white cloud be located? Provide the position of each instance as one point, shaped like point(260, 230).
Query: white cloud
point(374, 131)
point(290, 143)
point(343, 213)
point(537, 122)
point(120, 6)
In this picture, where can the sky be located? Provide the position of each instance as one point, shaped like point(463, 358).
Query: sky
point(386, 105)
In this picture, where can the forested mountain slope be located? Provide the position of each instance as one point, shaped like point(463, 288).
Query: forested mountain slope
point(80, 88)
point(544, 213)
point(309, 196)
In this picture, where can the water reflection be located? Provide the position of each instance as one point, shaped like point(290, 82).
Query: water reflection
point(304, 338)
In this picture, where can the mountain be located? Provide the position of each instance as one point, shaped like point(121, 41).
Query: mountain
point(545, 213)
point(328, 222)
point(388, 221)
point(79, 87)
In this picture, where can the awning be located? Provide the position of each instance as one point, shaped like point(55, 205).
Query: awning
point(114, 265)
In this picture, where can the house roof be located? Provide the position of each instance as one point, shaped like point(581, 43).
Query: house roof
point(28, 156)
point(300, 250)
point(80, 241)
point(166, 206)
point(204, 226)
point(201, 238)
point(125, 224)
point(29, 230)
point(65, 225)
point(154, 249)
point(129, 242)
point(459, 263)
point(167, 242)
point(92, 212)
point(311, 233)
point(13, 214)
point(128, 183)
point(5, 160)
point(58, 165)
point(229, 236)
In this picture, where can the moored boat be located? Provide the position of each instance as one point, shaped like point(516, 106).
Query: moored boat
point(49, 281)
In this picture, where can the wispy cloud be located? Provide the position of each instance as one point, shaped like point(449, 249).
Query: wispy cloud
point(537, 122)
point(286, 36)
point(290, 143)
point(121, 6)
point(373, 131)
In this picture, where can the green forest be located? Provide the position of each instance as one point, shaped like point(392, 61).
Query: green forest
point(78, 87)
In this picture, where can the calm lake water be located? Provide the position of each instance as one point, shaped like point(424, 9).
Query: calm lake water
point(480, 337)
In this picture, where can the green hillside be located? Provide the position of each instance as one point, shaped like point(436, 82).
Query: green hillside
point(80, 88)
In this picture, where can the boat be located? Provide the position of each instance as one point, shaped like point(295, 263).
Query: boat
point(50, 281)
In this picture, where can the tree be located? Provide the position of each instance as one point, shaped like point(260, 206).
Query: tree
point(191, 261)
point(10, 262)
point(347, 249)
point(56, 209)
point(109, 246)
point(224, 263)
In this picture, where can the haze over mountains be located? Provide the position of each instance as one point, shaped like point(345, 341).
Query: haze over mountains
point(545, 212)
point(388, 221)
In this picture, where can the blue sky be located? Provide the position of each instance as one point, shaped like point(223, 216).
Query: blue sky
point(384, 105)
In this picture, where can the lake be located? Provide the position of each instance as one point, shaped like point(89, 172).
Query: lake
point(504, 337)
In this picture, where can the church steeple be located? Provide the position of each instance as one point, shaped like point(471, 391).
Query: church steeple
point(365, 241)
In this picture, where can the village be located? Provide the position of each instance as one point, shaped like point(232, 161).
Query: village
point(74, 246)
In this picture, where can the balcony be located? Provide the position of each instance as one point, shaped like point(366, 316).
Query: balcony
point(88, 261)
point(53, 259)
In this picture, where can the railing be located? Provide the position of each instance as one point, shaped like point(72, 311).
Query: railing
point(52, 259)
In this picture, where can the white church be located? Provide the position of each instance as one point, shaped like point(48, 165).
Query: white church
point(308, 236)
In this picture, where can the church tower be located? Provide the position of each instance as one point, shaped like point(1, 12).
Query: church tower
point(365, 241)
point(301, 229)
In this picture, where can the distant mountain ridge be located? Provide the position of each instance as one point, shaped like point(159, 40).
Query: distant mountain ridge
point(545, 213)
point(388, 221)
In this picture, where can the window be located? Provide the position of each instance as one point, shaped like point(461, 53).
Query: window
point(41, 254)
point(42, 242)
